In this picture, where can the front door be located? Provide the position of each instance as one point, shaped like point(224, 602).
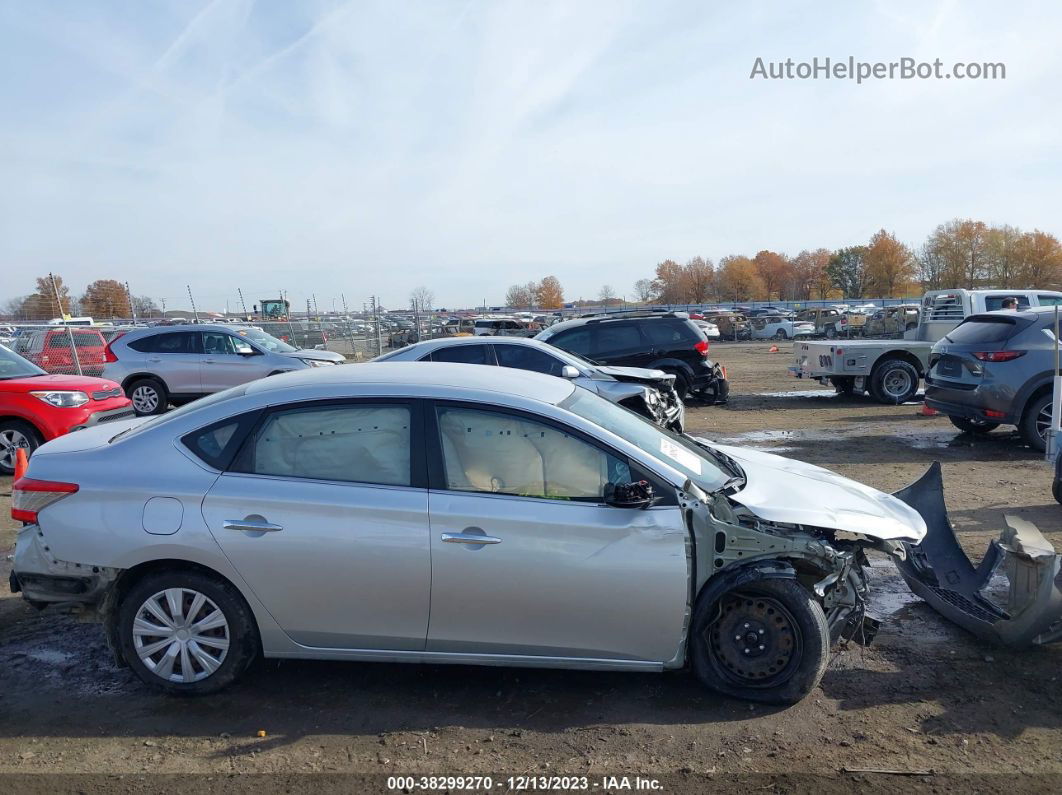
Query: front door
point(528, 560)
point(321, 517)
point(222, 367)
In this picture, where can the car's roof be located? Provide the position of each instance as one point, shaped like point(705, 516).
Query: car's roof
point(421, 378)
point(192, 327)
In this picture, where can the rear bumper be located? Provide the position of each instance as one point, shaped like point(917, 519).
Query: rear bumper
point(711, 384)
point(970, 404)
point(43, 580)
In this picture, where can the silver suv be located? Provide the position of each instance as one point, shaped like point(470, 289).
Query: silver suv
point(159, 366)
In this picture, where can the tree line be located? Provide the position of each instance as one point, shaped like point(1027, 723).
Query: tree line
point(103, 298)
point(544, 294)
point(959, 253)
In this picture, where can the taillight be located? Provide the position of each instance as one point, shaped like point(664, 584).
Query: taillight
point(29, 496)
point(108, 354)
point(998, 356)
point(702, 348)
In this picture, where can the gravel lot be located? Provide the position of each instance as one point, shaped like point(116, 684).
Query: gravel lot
point(924, 700)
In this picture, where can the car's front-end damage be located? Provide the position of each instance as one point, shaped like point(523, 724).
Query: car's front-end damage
point(1013, 597)
point(650, 393)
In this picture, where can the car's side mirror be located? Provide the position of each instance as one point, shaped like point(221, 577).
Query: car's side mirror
point(638, 494)
point(245, 350)
point(568, 371)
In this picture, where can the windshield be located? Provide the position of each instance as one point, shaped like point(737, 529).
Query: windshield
point(676, 451)
point(267, 341)
point(14, 366)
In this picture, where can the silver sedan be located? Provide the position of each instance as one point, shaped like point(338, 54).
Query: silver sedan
point(651, 393)
point(326, 514)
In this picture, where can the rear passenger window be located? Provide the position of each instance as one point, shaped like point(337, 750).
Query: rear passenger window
point(174, 342)
point(576, 341)
point(461, 354)
point(362, 444)
point(143, 345)
point(524, 357)
point(665, 333)
point(617, 338)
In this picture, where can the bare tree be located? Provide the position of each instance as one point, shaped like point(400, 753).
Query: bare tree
point(422, 297)
point(606, 293)
point(643, 290)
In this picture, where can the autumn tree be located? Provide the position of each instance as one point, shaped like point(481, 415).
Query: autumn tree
point(962, 248)
point(774, 271)
point(550, 293)
point(1041, 260)
point(668, 286)
point(42, 304)
point(931, 266)
point(738, 279)
point(422, 298)
point(698, 281)
point(809, 275)
point(890, 264)
point(643, 291)
point(106, 298)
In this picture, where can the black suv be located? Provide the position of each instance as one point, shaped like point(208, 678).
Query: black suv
point(667, 341)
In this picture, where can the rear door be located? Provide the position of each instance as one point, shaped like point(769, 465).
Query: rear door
point(620, 343)
point(526, 557)
point(953, 364)
point(324, 514)
point(174, 356)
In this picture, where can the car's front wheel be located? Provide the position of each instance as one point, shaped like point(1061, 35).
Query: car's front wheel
point(148, 396)
point(781, 335)
point(16, 435)
point(767, 641)
point(186, 632)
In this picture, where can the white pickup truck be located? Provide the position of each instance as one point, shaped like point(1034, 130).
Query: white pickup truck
point(891, 369)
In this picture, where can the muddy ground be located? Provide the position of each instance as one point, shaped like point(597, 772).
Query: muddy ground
point(926, 701)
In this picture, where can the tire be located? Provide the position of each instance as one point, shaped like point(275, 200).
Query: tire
point(726, 657)
point(1056, 489)
point(148, 395)
point(831, 333)
point(781, 335)
point(843, 385)
point(682, 384)
point(239, 630)
point(894, 381)
point(968, 425)
point(1036, 417)
point(15, 434)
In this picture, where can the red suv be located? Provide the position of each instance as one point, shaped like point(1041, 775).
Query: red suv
point(50, 349)
point(36, 406)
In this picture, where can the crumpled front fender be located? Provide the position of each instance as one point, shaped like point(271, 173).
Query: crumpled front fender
point(937, 570)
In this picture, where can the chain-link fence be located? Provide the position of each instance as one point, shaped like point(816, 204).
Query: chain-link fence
point(66, 350)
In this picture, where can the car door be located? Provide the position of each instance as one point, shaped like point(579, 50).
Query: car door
point(620, 343)
point(221, 366)
point(324, 514)
point(174, 356)
point(526, 557)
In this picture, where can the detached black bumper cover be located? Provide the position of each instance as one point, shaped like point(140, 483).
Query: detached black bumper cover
point(938, 571)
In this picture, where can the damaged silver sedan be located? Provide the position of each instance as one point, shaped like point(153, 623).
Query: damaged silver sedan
point(447, 513)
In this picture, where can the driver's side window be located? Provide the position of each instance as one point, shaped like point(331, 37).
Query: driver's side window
point(499, 453)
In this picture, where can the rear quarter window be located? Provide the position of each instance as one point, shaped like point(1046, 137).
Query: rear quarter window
point(666, 333)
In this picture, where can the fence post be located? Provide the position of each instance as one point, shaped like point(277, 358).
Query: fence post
point(69, 334)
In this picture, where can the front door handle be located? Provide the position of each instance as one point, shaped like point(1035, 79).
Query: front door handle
point(250, 524)
point(469, 538)
point(209, 361)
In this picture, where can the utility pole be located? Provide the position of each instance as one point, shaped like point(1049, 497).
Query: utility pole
point(195, 312)
point(242, 302)
point(132, 308)
point(376, 319)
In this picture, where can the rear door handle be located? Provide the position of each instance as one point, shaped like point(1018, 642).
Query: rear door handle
point(209, 361)
point(250, 524)
point(469, 538)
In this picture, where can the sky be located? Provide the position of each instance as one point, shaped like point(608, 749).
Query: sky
point(346, 149)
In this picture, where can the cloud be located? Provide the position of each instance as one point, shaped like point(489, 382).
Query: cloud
point(367, 147)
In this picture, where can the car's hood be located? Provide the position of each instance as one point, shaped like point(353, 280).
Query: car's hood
point(36, 383)
point(783, 490)
point(310, 353)
point(635, 373)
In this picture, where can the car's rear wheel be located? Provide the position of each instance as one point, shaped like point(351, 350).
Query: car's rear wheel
point(781, 335)
point(148, 396)
point(1035, 422)
point(16, 435)
point(186, 632)
point(970, 425)
point(894, 381)
point(766, 641)
point(831, 333)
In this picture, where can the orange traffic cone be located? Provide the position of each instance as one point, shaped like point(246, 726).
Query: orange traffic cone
point(926, 411)
point(773, 349)
point(20, 462)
